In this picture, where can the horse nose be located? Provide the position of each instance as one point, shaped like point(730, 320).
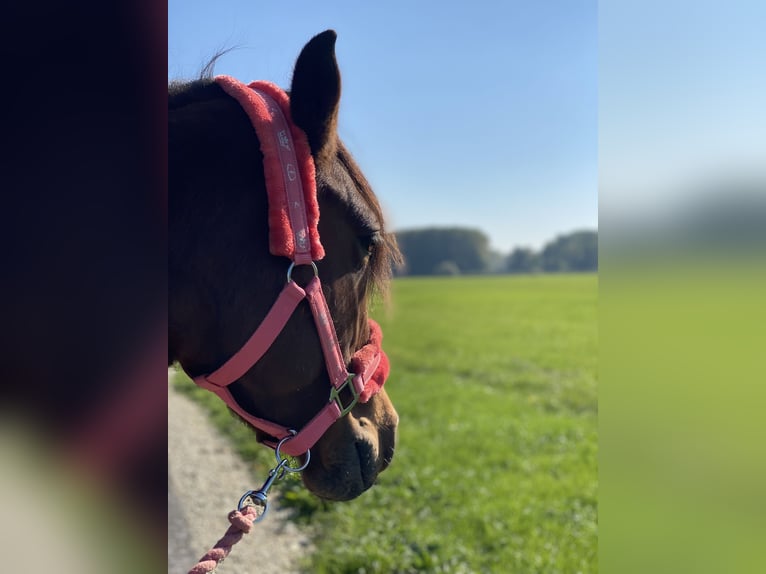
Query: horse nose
point(344, 464)
point(368, 467)
point(347, 460)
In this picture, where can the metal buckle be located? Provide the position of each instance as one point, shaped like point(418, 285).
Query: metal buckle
point(282, 462)
point(260, 498)
point(292, 266)
point(335, 395)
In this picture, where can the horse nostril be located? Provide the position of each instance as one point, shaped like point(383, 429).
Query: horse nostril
point(367, 467)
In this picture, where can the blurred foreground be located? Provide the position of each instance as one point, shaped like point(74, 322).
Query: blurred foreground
point(682, 302)
point(83, 289)
point(682, 461)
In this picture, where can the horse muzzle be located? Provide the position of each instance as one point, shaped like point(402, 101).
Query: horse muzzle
point(347, 460)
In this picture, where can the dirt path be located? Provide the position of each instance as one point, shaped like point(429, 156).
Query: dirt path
point(205, 480)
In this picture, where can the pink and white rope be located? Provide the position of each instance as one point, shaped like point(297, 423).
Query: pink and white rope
point(241, 523)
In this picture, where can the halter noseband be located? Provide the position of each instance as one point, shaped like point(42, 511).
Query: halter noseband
point(290, 183)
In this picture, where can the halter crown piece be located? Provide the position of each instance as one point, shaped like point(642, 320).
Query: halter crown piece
point(293, 220)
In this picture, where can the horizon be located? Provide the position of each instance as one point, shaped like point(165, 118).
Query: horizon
point(502, 251)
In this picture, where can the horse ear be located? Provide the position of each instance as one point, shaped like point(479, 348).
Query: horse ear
point(315, 93)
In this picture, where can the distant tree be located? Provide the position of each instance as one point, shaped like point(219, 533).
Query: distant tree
point(522, 260)
point(497, 262)
point(447, 268)
point(425, 249)
point(576, 251)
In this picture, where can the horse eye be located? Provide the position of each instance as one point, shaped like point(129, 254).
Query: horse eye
point(367, 241)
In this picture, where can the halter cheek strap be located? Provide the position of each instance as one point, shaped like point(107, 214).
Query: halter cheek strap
point(293, 233)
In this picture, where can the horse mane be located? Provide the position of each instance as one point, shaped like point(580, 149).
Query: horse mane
point(181, 93)
point(385, 255)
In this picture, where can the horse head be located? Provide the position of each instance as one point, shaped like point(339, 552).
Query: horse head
point(223, 279)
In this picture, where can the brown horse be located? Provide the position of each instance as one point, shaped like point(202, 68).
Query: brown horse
point(223, 278)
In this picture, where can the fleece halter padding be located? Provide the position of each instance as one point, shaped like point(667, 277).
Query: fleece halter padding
point(364, 360)
point(280, 181)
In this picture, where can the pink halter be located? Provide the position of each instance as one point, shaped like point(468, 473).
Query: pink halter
point(293, 233)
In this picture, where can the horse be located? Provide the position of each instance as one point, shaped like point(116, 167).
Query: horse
point(223, 277)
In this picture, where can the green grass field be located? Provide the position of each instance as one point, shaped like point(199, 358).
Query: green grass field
point(494, 379)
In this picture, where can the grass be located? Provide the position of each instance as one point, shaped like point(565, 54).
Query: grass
point(494, 379)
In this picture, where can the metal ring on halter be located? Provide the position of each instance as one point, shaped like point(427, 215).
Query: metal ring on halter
point(285, 467)
point(292, 266)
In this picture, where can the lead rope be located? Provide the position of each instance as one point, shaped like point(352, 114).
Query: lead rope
point(241, 523)
point(252, 507)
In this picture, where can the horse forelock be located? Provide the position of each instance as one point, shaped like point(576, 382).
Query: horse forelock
point(385, 255)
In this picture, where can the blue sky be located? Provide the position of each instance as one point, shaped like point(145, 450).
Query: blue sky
point(482, 114)
point(681, 100)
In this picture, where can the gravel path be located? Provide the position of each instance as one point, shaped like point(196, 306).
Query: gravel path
point(205, 480)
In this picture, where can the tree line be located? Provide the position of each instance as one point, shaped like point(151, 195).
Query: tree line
point(458, 250)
